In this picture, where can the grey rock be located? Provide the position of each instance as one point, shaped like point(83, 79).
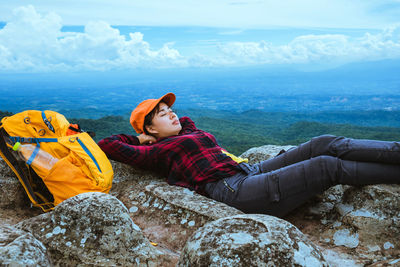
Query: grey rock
point(250, 240)
point(353, 223)
point(14, 203)
point(341, 259)
point(20, 248)
point(146, 190)
point(91, 229)
point(167, 214)
point(124, 173)
point(5, 170)
point(362, 220)
point(190, 202)
point(257, 154)
point(326, 203)
point(11, 190)
point(344, 237)
point(375, 212)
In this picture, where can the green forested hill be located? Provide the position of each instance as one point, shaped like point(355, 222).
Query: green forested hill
point(4, 114)
point(238, 132)
point(238, 137)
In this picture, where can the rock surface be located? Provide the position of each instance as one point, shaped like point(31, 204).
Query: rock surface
point(91, 229)
point(167, 214)
point(350, 226)
point(11, 191)
point(20, 248)
point(362, 222)
point(250, 240)
point(14, 204)
point(257, 154)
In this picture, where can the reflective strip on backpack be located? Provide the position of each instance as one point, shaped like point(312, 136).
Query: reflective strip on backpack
point(32, 139)
point(46, 140)
point(89, 153)
point(34, 153)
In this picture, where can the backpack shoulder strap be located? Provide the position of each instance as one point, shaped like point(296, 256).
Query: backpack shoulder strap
point(12, 161)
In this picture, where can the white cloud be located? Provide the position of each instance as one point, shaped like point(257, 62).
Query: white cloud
point(34, 42)
point(31, 42)
point(328, 48)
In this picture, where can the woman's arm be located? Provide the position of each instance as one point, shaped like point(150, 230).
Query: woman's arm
point(188, 125)
point(146, 139)
point(127, 149)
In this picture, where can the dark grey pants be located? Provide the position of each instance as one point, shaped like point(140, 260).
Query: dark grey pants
point(279, 185)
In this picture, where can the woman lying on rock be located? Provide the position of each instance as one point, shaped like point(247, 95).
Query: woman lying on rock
point(192, 158)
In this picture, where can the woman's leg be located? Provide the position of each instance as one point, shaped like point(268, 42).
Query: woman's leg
point(342, 147)
point(280, 191)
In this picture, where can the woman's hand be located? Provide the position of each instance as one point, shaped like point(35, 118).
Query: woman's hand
point(146, 139)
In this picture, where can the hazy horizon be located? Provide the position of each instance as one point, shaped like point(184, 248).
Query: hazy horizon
point(290, 56)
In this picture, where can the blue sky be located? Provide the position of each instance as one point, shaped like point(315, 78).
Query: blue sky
point(40, 37)
point(221, 13)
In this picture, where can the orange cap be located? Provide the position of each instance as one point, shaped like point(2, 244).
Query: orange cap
point(145, 107)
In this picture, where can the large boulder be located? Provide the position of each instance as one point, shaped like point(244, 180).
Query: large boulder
point(91, 229)
point(20, 248)
point(250, 240)
point(167, 214)
point(365, 222)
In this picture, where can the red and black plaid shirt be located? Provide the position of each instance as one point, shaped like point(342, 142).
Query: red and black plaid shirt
point(190, 159)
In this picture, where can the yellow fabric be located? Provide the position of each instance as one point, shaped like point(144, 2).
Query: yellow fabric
point(75, 172)
point(30, 123)
point(103, 177)
point(237, 159)
point(67, 179)
point(17, 125)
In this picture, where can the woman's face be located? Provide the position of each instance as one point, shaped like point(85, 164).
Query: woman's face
point(165, 123)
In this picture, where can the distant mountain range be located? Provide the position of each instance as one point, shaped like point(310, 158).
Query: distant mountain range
point(354, 87)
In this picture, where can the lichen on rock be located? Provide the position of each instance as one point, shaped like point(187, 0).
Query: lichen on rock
point(115, 229)
point(250, 240)
point(91, 229)
point(21, 248)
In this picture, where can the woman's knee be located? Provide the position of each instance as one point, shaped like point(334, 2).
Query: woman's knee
point(325, 161)
point(327, 168)
point(326, 138)
point(322, 145)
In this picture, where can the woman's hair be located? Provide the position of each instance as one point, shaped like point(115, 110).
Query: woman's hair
point(149, 117)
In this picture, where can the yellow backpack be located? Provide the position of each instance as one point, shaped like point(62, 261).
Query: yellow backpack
point(82, 165)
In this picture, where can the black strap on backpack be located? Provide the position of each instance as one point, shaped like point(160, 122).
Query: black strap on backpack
point(77, 129)
point(32, 183)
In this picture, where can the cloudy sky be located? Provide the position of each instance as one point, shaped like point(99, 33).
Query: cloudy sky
point(34, 36)
point(227, 13)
